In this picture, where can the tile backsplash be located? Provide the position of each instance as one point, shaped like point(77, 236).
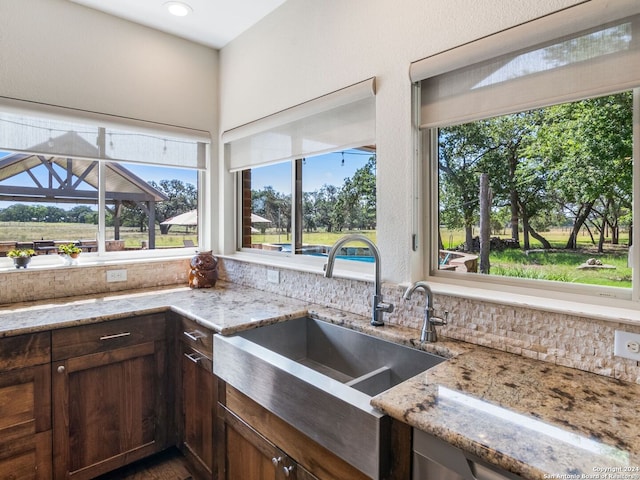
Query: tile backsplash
point(569, 340)
point(32, 284)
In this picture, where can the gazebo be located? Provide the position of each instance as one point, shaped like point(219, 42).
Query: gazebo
point(76, 181)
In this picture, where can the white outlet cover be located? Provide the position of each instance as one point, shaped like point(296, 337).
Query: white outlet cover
point(273, 276)
point(117, 275)
point(621, 340)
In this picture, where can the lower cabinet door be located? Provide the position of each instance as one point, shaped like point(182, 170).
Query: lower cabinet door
point(199, 390)
point(25, 424)
point(249, 455)
point(107, 410)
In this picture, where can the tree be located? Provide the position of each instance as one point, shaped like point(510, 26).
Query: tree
point(587, 148)
point(460, 150)
point(274, 206)
point(326, 199)
point(183, 197)
point(356, 200)
point(82, 214)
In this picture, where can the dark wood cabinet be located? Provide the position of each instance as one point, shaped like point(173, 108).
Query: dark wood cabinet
point(250, 455)
point(25, 407)
point(199, 389)
point(260, 446)
point(110, 398)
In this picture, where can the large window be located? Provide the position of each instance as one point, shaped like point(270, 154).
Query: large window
point(333, 194)
point(306, 175)
point(531, 161)
point(103, 189)
point(558, 202)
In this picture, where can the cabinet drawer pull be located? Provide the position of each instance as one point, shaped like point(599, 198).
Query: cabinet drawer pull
point(61, 369)
point(194, 357)
point(287, 470)
point(115, 335)
point(276, 461)
point(195, 335)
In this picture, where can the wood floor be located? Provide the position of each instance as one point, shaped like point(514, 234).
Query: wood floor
point(168, 465)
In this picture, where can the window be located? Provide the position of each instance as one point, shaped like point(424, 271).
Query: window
point(106, 189)
point(531, 155)
point(334, 194)
point(559, 196)
point(306, 175)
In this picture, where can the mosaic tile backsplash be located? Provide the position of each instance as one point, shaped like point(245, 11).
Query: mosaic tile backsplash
point(40, 284)
point(573, 341)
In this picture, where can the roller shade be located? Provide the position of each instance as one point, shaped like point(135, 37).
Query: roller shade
point(57, 131)
point(337, 121)
point(596, 61)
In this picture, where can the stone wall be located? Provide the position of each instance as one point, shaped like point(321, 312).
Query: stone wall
point(572, 341)
point(33, 284)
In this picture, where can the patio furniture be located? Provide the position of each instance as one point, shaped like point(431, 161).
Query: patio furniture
point(44, 247)
point(88, 245)
point(6, 247)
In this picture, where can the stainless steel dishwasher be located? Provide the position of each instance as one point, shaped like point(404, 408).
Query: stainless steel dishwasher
point(435, 459)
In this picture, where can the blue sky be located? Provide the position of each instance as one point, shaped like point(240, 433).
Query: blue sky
point(146, 172)
point(316, 171)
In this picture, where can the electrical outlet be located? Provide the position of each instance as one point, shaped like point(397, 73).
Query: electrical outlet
point(627, 345)
point(117, 275)
point(273, 276)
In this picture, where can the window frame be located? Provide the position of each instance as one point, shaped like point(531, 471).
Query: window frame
point(426, 214)
point(428, 156)
point(344, 268)
point(101, 256)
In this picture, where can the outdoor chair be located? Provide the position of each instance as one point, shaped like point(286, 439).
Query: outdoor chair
point(44, 247)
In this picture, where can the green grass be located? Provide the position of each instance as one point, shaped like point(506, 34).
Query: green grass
point(562, 266)
point(313, 238)
point(557, 265)
point(30, 231)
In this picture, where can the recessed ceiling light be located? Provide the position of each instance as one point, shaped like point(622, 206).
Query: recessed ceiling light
point(179, 9)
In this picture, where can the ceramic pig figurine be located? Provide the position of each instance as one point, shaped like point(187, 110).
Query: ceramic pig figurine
point(204, 270)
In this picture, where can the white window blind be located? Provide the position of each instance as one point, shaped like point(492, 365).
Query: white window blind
point(337, 121)
point(596, 61)
point(57, 131)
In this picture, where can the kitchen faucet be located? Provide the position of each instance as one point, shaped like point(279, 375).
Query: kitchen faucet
point(378, 306)
point(428, 332)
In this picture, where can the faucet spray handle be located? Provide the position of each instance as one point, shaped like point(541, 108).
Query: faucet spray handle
point(440, 321)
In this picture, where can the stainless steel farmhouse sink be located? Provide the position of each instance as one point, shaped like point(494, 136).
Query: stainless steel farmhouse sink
point(320, 378)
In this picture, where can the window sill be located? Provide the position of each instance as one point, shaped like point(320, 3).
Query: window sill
point(617, 310)
point(49, 262)
point(347, 269)
point(625, 311)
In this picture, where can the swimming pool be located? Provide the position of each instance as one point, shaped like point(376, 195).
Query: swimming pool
point(323, 251)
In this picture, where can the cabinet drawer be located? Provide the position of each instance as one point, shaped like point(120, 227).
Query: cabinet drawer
point(196, 356)
point(196, 336)
point(100, 337)
point(25, 351)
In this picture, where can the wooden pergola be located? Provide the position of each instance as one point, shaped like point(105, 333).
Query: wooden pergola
point(76, 181)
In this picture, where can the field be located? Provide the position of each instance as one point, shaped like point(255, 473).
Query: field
point(30, 231)
point(559, 265)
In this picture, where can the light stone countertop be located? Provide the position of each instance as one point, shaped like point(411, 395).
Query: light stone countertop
point(532, 418)
point(529, 417)
point(225, 309)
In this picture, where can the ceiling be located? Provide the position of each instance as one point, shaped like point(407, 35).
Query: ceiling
point(212, 22)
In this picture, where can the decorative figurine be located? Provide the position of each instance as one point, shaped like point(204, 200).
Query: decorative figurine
point(204, 270)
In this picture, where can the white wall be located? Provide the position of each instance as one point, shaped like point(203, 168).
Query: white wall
point(58, 52)
point(307, 48)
